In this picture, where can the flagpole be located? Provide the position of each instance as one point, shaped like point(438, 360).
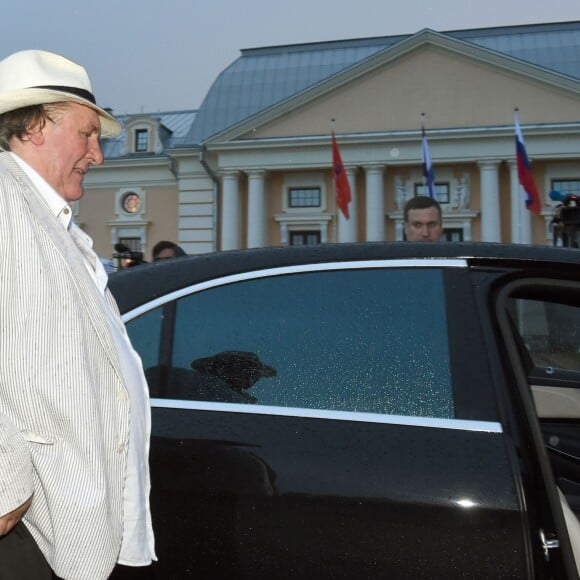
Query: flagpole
point(428, 173)
point(517, 210)
point(335, 213)
point(422, 133)
point(525, 176)
point(526, 185)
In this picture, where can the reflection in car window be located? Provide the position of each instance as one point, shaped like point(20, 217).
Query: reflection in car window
point(351, 340)
point(550, 332)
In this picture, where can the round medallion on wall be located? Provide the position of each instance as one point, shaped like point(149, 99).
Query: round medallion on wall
point(131, 202)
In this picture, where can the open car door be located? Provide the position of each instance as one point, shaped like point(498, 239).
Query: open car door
point(544, 318)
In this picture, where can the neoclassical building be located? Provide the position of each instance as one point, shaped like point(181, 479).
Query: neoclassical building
point(253, 165)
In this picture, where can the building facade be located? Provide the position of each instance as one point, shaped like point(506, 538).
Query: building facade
point(253, 166)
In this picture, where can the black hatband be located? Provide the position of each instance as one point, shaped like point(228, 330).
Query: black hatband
point(87, 95)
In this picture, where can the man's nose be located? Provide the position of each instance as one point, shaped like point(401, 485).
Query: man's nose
point(95, 153)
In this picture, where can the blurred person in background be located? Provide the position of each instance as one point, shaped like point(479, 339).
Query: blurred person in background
point(164, 250)
point(422, 219)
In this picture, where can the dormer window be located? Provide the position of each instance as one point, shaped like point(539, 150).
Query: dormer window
point(145, 135)
point(141, 140)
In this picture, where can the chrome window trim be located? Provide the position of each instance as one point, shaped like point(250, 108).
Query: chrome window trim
point(300, 268)
point(454, 424)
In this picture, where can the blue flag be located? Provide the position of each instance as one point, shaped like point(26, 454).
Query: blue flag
point(428, 172)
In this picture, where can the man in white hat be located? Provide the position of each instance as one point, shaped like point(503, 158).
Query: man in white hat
point(74, 409)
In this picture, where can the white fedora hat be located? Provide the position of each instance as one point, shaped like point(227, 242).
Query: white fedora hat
point(37, 77)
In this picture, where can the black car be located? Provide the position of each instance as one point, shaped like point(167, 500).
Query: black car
point(375, 410)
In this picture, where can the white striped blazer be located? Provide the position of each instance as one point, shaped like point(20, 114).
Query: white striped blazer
point(64, 409)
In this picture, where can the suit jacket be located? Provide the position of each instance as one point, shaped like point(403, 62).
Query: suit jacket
point(64, 408)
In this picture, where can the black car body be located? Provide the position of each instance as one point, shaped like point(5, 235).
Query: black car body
point(376, 410)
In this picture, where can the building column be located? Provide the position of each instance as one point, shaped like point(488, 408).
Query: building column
point(231, 208)
point(347, 228)
point(521, 224)
point(399, 231)
point(489, 191)
point(467, 231)
point(256, 209)
point(375, 203)
point(284, 234)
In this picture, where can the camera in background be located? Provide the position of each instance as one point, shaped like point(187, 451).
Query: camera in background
point(124, 257)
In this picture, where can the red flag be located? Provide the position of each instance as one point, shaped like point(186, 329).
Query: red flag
point(341, 185)
point(526, 179)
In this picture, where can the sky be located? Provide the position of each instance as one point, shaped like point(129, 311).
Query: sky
point(152, 56)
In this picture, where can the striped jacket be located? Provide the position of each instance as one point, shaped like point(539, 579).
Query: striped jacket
point(64, 409)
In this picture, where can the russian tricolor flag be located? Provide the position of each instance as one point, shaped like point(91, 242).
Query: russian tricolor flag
point(525, 176)
point(428, 172)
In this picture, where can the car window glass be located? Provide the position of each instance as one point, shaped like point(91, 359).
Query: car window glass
point(550, 332)
point(145, 333)
point(357, 340)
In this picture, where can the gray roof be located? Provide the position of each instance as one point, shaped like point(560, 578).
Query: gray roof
point(177, 124)
point(264, 77)
point(552, 46)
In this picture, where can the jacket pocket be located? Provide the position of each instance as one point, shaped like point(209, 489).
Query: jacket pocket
point(35, 438)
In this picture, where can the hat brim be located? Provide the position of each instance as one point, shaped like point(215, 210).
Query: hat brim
point(13, 100)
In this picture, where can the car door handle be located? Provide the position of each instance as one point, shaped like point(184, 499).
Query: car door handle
point(548, 543)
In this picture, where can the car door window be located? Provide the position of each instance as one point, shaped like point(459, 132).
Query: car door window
point(546, 322)
point(145, 332)
point(353, 340)
point(550, 332)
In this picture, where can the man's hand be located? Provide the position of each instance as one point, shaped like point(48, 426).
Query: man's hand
point(8, 521)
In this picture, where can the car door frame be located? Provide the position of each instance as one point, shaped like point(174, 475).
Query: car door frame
point(547, 517)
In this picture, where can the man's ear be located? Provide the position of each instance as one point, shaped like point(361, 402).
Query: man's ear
point(35, 136)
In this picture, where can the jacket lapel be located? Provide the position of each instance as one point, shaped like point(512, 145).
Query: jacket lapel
point(63, 244)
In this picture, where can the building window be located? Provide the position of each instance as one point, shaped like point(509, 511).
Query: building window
point(134, 244)
point(304, 238)
point(441, 190)
point(453, 234)
point(304, 197)
point(141, 140)
point(567, 186)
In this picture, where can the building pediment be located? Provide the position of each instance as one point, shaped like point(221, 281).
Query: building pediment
point(456, 83)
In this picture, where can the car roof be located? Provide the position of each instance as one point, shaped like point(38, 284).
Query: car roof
point(139, 285)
